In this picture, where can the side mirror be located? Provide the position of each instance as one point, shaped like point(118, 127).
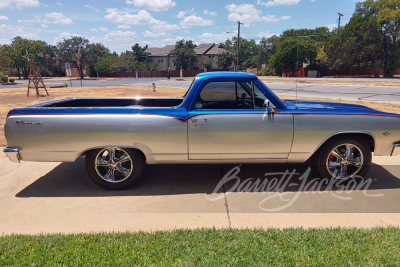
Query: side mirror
point(268, 106)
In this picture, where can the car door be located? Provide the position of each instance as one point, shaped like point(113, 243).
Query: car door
point(230, 120)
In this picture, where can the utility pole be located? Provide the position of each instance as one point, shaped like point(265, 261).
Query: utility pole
point(238, 22)
point(338, 29)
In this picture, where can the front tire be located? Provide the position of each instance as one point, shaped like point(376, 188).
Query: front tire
point(114, 168)
point(344, 158)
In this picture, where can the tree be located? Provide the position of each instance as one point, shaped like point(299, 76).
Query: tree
point(16, 51)
point(104, 63)
point(292, 53)
point(5, 60)
point(225, 60)
point(268, 47)
point(359, 43)
point(248, 49)
point(185, 56)
point(96, 52)
point(140, 52)
point(67, 49)
point(387, 15)
point(126, 61)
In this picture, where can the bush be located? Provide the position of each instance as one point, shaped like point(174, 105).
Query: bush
point(267, 71)
point(65, 85)
point(11, 80)
point(3, 78)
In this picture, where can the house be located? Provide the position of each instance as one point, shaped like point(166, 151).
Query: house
point(161, 56)
point(207, 53)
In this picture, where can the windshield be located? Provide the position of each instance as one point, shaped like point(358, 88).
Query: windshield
point(282, 101)
point(190, 87)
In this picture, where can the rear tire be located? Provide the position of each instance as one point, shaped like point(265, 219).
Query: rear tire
point(114, 168)
point(343, 158)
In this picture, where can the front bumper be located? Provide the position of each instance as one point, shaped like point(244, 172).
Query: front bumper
point(396, 149)
point(12, 153)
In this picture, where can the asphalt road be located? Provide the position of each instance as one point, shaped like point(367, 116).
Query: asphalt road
point(380, 94)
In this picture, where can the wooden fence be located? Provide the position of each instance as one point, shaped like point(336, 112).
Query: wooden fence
point(155, 74)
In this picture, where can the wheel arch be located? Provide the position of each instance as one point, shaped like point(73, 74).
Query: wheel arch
point(368, 138)
point(143, 149)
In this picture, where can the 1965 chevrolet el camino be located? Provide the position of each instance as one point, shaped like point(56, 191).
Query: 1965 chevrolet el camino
point(222, 118)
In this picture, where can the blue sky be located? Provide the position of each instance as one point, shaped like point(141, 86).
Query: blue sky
point(119, 24)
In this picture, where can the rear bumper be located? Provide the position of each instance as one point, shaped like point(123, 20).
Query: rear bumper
point(396, 149)
point(12, 153)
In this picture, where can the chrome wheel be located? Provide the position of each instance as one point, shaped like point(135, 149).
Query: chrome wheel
point(113, 164)
point(345, 161)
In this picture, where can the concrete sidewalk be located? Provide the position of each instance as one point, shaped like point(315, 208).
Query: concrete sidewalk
point(59, 197)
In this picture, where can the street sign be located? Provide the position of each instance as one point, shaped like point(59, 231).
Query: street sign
point(78, 55)
point(68, 69)
point(79, 63)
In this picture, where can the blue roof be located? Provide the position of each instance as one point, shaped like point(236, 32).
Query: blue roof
point(226, 74)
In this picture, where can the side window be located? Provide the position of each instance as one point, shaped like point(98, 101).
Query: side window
point(225, 95)
point(261, 101)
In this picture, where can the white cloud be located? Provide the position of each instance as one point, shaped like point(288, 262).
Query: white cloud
point(248, 14)
point(44, 25)
point(89, 6)
point(18, 3)
point(181, 14)
point(196, 21)
point(214, 38)
point(17, 31)
point(94, 30)
point(141, 18)
point(150, 34)
point(103, 29)
point(154, 5)
point(58, 3)
point(5, 41)
point(64, 35)
point(178, 38)
point(243, 8)
point(211, 13)
point(124, 27)
point(163, 26)
point(280, 2)
point(3, 17)
point(266, 34)
point(120, 36)
point(248, 18)
point(58, 18)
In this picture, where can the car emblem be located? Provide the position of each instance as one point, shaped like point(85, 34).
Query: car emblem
point(26, 122)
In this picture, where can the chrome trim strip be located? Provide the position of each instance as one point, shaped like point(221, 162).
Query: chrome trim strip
point(12, 154)
point(396, 149)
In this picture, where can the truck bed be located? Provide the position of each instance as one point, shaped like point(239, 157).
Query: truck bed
point(112, 102)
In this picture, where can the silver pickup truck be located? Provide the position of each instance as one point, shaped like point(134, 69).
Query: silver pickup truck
point(223, 118)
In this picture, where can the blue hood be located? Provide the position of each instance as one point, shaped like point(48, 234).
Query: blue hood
point(318, 105)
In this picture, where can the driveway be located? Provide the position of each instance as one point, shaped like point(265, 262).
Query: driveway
point(59, 197)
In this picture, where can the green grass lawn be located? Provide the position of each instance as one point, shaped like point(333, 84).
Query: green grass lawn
point(207, 247)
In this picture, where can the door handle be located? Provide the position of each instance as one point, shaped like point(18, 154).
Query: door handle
point(196, 120)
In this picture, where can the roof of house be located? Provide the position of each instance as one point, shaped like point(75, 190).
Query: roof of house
point(216, 50)
point(160, 52)
point(201, 49)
